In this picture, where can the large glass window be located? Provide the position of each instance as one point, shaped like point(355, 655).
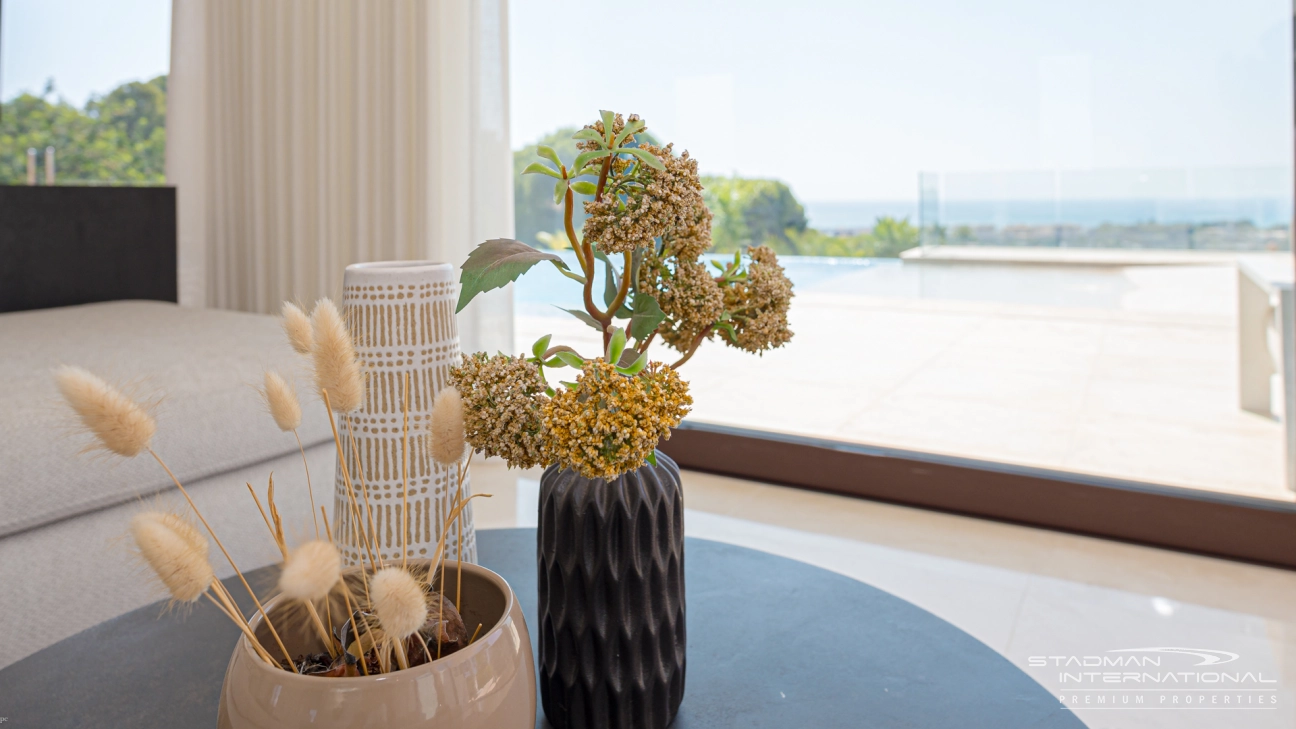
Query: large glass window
point(1047, 234)
point(83, 90)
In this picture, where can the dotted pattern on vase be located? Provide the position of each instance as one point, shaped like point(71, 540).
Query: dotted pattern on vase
point(611, 607)
point(403, 322)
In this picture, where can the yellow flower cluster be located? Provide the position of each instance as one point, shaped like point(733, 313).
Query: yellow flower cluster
point(610, 423)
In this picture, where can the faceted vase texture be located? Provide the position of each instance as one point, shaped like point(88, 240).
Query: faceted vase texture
point(611, 585)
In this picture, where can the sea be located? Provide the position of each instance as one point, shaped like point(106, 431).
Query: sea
point(1263, 212)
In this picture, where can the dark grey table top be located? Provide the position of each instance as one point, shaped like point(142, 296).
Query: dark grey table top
point(771, 643)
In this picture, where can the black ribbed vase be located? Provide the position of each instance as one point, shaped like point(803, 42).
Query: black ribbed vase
point(611, 562)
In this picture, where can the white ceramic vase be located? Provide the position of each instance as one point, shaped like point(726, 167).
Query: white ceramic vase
point(402, 317)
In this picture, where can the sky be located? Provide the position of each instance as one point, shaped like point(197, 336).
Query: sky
point(86, 46)
point(850, 100)
point(842, 100)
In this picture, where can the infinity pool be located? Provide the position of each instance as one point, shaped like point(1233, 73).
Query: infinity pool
point(1183, 289)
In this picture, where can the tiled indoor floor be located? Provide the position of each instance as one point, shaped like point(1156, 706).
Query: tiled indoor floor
point(1139, 383)
point(1023, 592)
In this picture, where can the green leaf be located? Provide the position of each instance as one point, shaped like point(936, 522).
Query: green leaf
point(645, 316)
point(495, 263)
point(719, 266)
point(570, 274)
point(541, 345)
point(536, 167)
point(635, 367)
point(611, 281)
point(553, 362)
point(631, 128)
point(560, 191)
point(585, 158)
point(628, 358)
point(571, 360)
point(569, 385)
point(651, 458)
point(648, 158)
point(550, 391)
point(585, 317)
point(584, 187)
point(728, 329)
point(588, 135)
point(636, 259)
point(549, 154)
point(609, 120)
point(616, 345)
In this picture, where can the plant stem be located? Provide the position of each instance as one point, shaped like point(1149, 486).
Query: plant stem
point(459, 523)
point(224, 551)
point(603, 175)
point(327, 528)
point(693, 348)
point(283, 548)
point(355, 630)
point(569, 203)
point(622, 291)
point(346, 478)
point(319, 625)
point(372, 534)
point(309, 491)
point(643, 346)
point(242, 625)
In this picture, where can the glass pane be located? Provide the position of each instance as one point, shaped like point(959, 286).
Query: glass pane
point(83, 85)
point(1036, 233)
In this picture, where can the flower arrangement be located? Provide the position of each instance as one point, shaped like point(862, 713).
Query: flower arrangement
point(645, 209)
point(378, 617)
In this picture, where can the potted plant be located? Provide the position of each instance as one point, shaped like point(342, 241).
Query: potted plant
point(389, 642)
point(611, 536)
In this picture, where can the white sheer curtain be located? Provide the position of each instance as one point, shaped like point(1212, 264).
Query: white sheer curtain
point(305, 135)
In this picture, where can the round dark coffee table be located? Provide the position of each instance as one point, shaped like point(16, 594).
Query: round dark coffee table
point(771, 643)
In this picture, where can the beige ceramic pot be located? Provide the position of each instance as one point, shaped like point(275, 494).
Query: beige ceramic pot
point(488, 685)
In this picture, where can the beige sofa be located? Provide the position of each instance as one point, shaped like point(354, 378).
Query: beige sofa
point(65, 563)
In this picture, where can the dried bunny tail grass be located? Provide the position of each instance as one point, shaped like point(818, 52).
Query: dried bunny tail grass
point(298, 328)
point(398, 601)
point(446, 431)
point(121, 425)
point(185, 529)
point(281, 398)
point(172, 554)
point(311, 571)
point(337, 371)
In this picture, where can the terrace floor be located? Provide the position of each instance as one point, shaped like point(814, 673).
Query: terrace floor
point(1128, 371)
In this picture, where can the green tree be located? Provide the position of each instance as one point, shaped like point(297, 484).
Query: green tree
point(747, 212)
point(752, 212)
point(892, 236)
point(536, 216)
point(117, 138)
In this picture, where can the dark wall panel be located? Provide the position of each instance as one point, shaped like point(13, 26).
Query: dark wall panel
point(61, 246)
point(1222, 525)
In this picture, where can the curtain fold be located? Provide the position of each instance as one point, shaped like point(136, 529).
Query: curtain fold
point(305, 135)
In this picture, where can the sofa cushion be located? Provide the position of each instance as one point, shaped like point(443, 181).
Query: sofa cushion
point(201, 365)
